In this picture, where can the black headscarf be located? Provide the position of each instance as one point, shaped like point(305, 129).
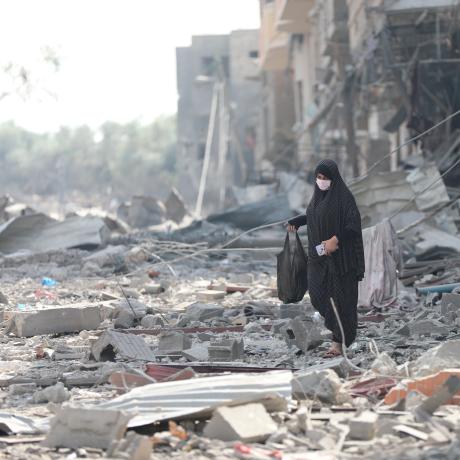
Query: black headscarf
point(334, 212)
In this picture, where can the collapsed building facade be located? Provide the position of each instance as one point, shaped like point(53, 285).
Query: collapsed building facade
point(366, 76)
point(219, 90)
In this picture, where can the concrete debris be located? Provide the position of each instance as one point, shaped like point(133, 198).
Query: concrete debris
point(363, 426)
point(226, 350)
point(428, 327)
point(324, 385)
point(152, 321)
point(39, 233)
point(72, 318)
point(173, 343)
point(55, 394)
point(133, 447)
point(76, 427)
point(304, 335)
point(450, 302)
point(444, 356)
point(206, 342)
point(112, 345)
point(200, 312)
point(248, 423)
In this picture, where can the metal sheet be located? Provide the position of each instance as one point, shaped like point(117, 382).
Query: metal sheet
point(198, 397)
point(127, 346)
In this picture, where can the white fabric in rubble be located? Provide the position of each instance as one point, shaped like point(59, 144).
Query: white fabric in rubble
point(382, 255)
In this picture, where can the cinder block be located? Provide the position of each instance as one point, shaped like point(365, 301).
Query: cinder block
point(248, 423)
point(363, 426)
point(226, 350)
point(173, 342)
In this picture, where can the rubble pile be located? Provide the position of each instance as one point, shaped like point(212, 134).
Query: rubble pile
point(153, 345)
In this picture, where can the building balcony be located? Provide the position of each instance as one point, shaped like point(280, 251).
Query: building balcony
point(292, 15)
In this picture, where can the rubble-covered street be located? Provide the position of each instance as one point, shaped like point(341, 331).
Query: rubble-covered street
point(230, 230)
point(157, 343)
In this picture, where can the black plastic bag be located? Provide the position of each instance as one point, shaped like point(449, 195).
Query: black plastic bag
point(292, 271)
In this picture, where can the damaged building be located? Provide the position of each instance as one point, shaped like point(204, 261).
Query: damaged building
point(366, 76)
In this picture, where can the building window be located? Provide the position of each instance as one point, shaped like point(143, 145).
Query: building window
point(208, 66)
point(254, 54)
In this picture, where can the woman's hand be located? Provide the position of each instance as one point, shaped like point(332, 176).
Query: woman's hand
point(291, 228)
point(331, 245)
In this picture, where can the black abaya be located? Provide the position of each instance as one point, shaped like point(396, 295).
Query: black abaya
point(334, 213)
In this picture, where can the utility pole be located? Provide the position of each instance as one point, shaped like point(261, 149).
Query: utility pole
point(208, 148)
point(224, 126)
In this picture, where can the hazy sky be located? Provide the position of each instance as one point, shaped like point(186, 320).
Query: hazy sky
point(117, 56)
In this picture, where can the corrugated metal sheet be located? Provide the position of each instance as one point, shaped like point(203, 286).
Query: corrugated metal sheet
point(126, 345)
point(199, 397)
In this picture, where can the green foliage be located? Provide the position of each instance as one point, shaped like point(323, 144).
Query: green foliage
point(118, 160)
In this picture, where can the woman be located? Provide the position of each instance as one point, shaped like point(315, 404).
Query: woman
point(334, 226)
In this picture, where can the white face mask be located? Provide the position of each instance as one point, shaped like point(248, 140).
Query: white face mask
point(323, 184)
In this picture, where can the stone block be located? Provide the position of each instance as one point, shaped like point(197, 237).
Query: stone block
point(226, 350)
point(363, 426)
point(248, 423)
point(75, 427)
point(324, 385)
point(71, 318)
point(173, 343)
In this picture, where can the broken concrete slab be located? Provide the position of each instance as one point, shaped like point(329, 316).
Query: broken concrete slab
point(197, 353)
point(76, 427)
point(172, 342)
point(248, 423)
point(40, 233)
point(57, 320)
point(56, 394)
point(444, 356)
point(133, 447)
point(363, 426)
point(324, 385)
point(226, 350)
point(428, 327)
point(450, 302)
point(200, 312)
point(114, 344)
